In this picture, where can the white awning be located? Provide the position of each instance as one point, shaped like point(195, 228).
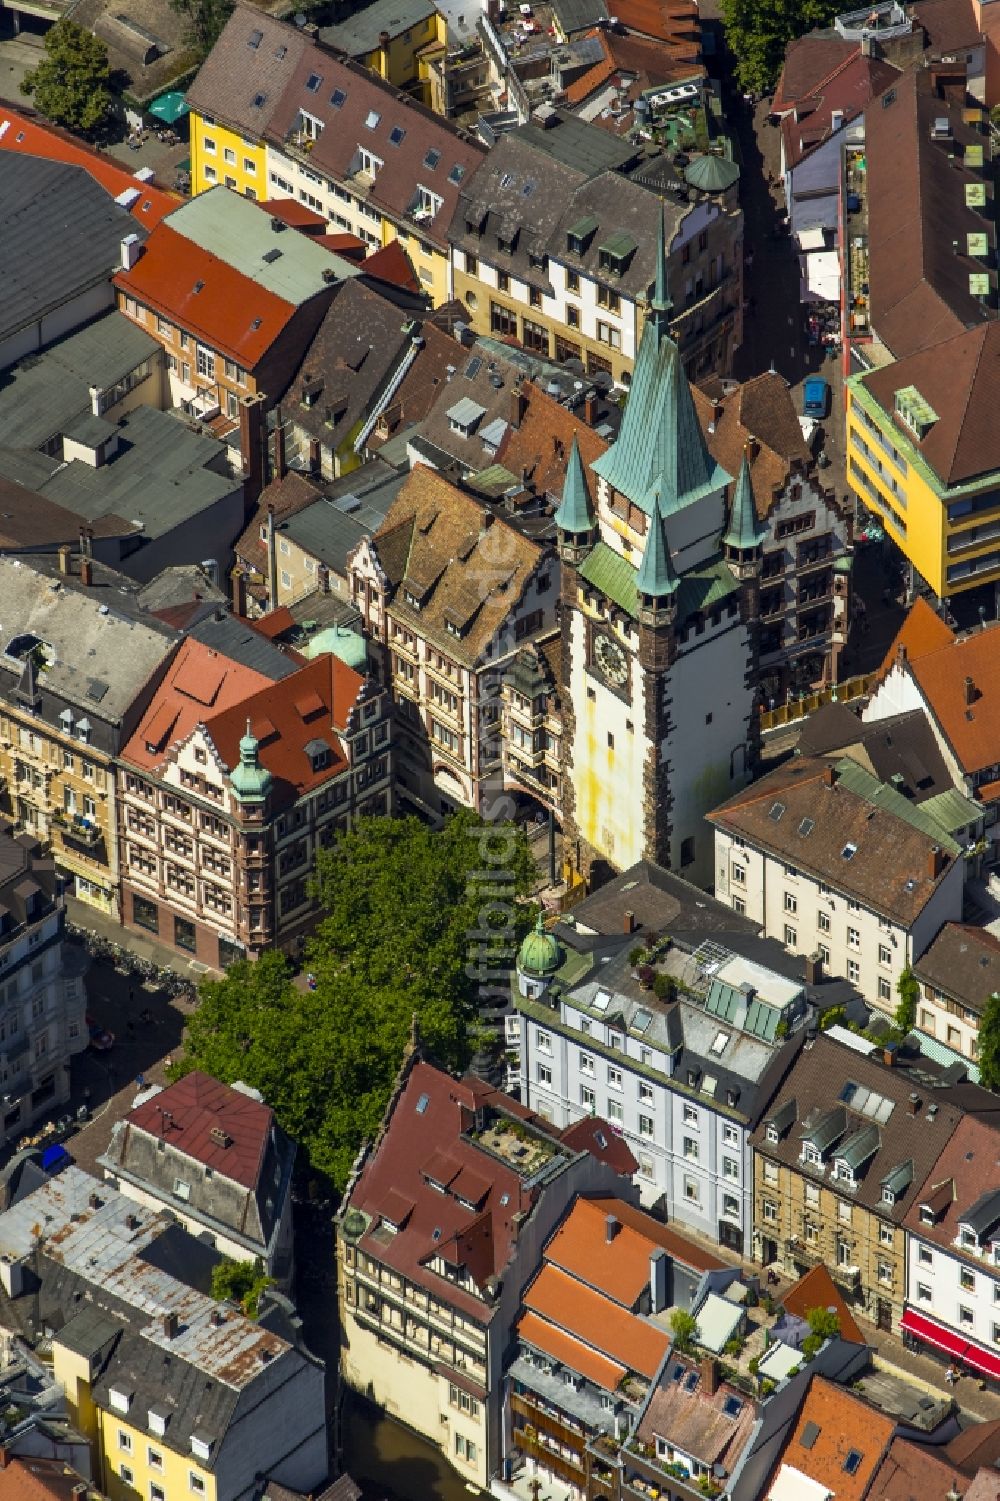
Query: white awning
point(820, 279)
point(792, 1485)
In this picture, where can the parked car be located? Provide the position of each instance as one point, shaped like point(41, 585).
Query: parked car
point(101, 1040)
point(816, 398)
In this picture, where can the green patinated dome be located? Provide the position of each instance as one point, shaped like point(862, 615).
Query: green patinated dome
point(711, 174)
point(250, 781)
point(540, 953)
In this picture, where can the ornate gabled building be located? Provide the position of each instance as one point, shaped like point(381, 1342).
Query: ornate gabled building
point(659, 599)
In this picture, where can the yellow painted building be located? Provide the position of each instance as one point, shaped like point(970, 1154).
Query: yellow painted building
point(222, 154)
point(923, 455)
point(403, 43)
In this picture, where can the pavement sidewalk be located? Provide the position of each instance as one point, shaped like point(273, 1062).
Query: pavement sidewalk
point(145, 946)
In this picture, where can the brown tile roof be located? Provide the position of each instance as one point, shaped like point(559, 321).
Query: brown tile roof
point(392, 264)
point(972, 730)
point(226, 310)
point(235, 74)
point(672, 21)
point(646, 63)
point(964, 963)
point(760, 408)
point(28, 520)
point(817, 1289)
point(815, 1083)
point(298, 215)
point(314, 703)
point(589, 1315)
point(697, 1421)
point(848, 89)
point(960, 377)
point(200, 1109)
point(399, 1163)
point(441, 544)
point(421, 383)
point(540, 445)
point(32, 1478)
point(808, 60)
point(967, 1167)
point(433, 152)
point(198, 682)
point(348, 363)
point(889, 870)
point(842, 1422)
point(919, 287)
point(948, 24)
point(292, 493)
point(979, 1444)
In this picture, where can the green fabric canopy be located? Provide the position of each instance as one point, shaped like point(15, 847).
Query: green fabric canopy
point(169, 107)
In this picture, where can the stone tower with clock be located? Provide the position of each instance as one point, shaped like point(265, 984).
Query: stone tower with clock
point(660, 574)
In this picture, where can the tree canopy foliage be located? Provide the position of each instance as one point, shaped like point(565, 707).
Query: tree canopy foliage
point(988, 1056)
point(205, 20)
point(403, 910)
point(242, 1282)
point(758, 31)
point(908, 991)
point(71, 85)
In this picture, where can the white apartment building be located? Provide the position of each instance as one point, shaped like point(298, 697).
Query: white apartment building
point(953, 1253)
point(679, 1077)
point(833, 863)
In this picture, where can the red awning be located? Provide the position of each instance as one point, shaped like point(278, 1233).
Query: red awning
point(932, 1333)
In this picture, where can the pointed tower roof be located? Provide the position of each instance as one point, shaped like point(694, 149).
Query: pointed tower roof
point(662, 305)
point(656, 575)
point(250, 781)
point(745, 531)
point(575, 512)
point(660, 455)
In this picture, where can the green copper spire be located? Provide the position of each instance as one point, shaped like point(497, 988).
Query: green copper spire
point(250, 781)
point(575, 513)
point(656, 576)
point(661, 292)
point(745, 532)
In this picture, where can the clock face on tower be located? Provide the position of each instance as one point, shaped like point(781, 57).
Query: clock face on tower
point(611, 660)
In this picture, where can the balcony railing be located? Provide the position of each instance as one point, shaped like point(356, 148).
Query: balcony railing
point(77, 828)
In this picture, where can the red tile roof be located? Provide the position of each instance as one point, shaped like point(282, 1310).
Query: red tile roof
point(218, 304)
point(922, 631)
point(541, 444)
point(673, 21)
point(31, 137)
point(848, 89)
point(572, 1352)
point(427, 1124)
point(198, 683)
point(392, 264)
point(619, 1267)
point(843, 1422)
point(914, 1472)
point(200, 1106)
point(592, 1134)
point(298, 215)
point(817, 1290)
point(314, 703)
point(646, 63)
point(808, 60)
point(589, 1315)
point(972, 730)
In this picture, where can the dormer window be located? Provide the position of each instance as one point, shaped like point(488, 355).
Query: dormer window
point(504, 245)
point(888, 1197)
point(614, 256)
point(411, 599)
point(580, 234)
point(843, 1172)
point(811, 1154)
point(967, 1238)
point(83, 731)
point(452, 628)
point(120, 1399)
point(914, 412)
point(772, 1133)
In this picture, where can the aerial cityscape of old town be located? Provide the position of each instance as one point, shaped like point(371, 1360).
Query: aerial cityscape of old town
point(499, 750)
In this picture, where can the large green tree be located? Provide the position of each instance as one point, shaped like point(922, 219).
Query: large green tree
point(205, 19)
point(989, 1044)
point(72, 83)
point(908, 990)
point(416, 923)
point(758, 31)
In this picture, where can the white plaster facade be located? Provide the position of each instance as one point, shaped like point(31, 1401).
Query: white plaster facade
point(960, 1290)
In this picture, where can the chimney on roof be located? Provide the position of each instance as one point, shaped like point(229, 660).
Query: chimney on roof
point(239, 591)
point(218, 1318)
point(752, 447)
point(95, 400)
point(611, 1227)
point(65, 559)
point(829, 776)
point(889, 1055)
point(913, 1103)
point(86, 572)
point(280, 468)
point(836, 120)
point(970, 692)
point(629, 923)
point(131, 251)
point(590, 408)
point(384, 39)
point(902, 655)
point(814, 969)
point(95, 1201)
point(131, 1222)
point(518, 405)
point(866, 44)
point(657, 1280)
point(709, 1375)
point(935, 862)
point(253, 446)
point(169, 1324)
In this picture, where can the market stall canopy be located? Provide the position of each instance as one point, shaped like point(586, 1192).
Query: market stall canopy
point(169, 107)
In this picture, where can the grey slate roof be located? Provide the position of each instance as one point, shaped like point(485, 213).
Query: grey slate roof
point(579, 15)
point(43, 392)
point(235, 639)
point(160, 476)
point(359, 33)
point(326, 532)
point(101, 651)
point(61, 234)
